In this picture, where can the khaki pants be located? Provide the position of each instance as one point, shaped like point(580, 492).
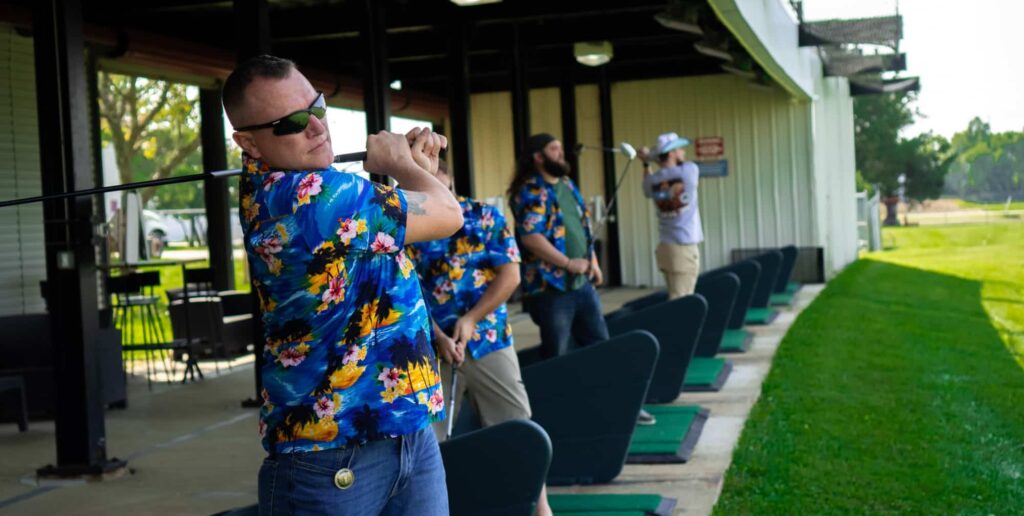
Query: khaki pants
point(494, 387)
point(681, 265)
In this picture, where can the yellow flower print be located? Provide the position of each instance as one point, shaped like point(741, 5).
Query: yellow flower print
point(281, 230)
point(405, 265)
point(455, 274)
point(250, 209)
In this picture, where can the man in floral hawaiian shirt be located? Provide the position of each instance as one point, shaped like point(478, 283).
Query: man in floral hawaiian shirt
point(350, 379)
point(559, 266)
point(466, 279)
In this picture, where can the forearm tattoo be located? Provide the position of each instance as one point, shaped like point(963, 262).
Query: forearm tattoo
point(415, 200)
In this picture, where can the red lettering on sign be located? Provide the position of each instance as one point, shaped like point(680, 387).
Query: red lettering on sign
point(710, 148)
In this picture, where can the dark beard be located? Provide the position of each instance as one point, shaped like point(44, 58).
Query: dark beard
point(556, 168)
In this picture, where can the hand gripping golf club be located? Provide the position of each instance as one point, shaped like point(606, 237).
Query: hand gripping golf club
point(341, 158)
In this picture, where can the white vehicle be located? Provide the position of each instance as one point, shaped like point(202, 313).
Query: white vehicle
point(160, 229)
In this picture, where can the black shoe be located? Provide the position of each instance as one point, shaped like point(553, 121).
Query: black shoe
point(645, 418)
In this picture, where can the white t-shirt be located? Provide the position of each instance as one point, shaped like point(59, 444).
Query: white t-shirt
point(674, 191)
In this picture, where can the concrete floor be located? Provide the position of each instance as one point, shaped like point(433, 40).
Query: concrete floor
point(192, 449)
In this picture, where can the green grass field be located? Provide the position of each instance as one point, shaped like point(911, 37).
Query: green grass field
point(895, 391)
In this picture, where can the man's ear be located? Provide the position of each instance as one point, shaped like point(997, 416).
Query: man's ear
point(538, 158)
point(247, 143)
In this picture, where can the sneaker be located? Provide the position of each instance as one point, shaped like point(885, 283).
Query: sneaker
point(645, 418)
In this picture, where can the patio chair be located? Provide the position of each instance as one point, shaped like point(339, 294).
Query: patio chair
point(587, 401)
point(677, 326)
point(760, 311)
point(498, 470)
point(707, 372)
point(781, 294)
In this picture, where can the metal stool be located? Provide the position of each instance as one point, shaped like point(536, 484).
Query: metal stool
point(136, 303)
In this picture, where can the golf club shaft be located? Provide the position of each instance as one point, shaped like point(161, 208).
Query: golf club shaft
point(451, 411)
point(216, 174)
point(615, 195)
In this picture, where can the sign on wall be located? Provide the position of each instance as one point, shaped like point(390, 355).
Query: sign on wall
point(710, 148)
point(710, 154)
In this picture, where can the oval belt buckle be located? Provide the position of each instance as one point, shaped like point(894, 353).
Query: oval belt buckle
point(344, 478)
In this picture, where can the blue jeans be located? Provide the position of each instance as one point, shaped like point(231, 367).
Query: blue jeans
point(566, 316)
point(392, 477)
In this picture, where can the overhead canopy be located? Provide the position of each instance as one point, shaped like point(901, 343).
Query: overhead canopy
point(324, 36)
point(885, 30)
point(860, 87)
point(845, 64)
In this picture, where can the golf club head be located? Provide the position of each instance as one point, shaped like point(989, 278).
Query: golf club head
point(628, 150)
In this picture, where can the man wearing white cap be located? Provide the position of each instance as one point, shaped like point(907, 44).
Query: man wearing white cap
point(674, 191)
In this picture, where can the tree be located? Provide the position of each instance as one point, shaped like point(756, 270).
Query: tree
point(990, 166)
point(153, 126)
point(914, 168)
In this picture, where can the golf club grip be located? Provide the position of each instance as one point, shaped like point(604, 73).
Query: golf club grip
point(350, 157)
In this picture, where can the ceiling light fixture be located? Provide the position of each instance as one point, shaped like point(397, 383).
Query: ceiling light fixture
point(593, 53)
point(470, 3)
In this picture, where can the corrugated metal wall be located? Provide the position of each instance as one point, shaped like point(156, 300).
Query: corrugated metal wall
point(21, 228)
point(493, 156)
point(834, 169)
point(766, 200)
point(790, 162)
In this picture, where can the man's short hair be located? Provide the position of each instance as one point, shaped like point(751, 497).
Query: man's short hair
point(262, 66)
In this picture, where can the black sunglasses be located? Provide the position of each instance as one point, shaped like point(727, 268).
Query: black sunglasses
point(295, 122)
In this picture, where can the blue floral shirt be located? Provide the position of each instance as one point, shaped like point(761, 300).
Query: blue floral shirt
point(347, 342)
point(535, 207)
point(456, 271)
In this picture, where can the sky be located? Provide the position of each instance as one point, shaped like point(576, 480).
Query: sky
point(967, 54)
